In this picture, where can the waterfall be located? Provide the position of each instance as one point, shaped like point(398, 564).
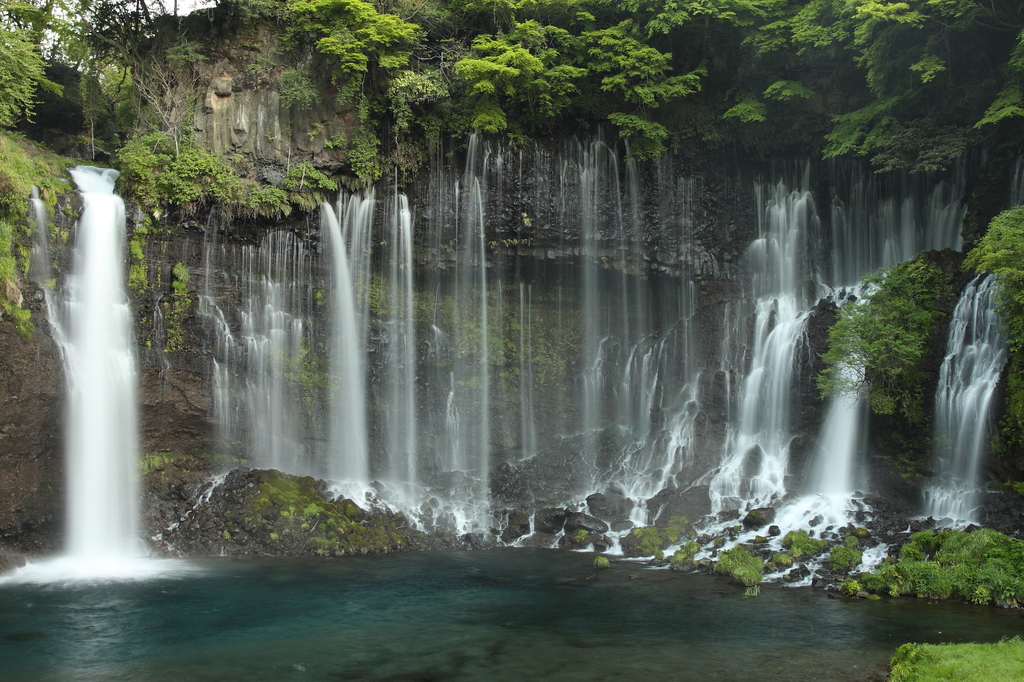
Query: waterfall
point(92, 323)
point(975, 355)
point(257, 306)
point(881, 222)
point(1017, 183)
point(754, 470)
point(400, 358)
point(40, 265)
point(873, 225)
point(348, 456)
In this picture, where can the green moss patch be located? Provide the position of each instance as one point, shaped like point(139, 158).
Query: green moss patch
point(295, 507)
point(653, 538)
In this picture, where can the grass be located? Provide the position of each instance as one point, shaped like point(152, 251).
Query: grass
point(944, 662)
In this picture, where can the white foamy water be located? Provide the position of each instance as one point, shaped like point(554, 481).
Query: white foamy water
point(95, 569)
point(93, 325)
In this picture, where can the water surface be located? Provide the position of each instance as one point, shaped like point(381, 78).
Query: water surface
point(497, 615)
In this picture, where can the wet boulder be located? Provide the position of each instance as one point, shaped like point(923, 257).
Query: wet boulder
point(693, 503)
point(549, 520)
point(759, 518)
point(610, 506)
point(10, 562)
point(516, 525)
point(578, 520)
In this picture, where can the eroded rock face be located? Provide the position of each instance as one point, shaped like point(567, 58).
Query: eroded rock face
point(31, 449)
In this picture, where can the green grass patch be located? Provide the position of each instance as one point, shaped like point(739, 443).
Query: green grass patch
point(843, 558)
point(997, 662)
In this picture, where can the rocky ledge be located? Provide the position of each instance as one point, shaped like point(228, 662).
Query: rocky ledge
point(192, 511)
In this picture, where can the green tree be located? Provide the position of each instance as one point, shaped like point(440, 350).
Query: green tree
point(525, 69)
point(877, 345)
point(355, 34)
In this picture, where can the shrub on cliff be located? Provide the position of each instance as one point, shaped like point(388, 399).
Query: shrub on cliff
point(22, 166)
point(1001, 252)
point(155, 173)
point(879, 343)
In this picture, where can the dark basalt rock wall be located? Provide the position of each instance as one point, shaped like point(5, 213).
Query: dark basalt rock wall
point(31, 448)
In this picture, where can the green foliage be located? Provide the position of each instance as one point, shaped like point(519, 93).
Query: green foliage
point(410, 88)
point(787, 90)
point(850, 587)
point(523, 68)
point(800, 544)
point(844, 558)
point(601, 562)
point(878, 344)
point(983, 567)
point(581, 535)
point(741, 565)
point(21, 75)
point(653, 539)
point(683, 556)
point(997, 662)
point(355, 34)
point(22, 166)
point(295, 88)
point(177, 309)
point(779, 562)
point(748, 110)
point(154, 175)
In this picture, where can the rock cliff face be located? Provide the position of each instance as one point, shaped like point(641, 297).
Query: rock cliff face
point(241, 109)
point(31, 466)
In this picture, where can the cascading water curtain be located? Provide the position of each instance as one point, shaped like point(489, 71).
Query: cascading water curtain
point(754, 469)
point(975, 354)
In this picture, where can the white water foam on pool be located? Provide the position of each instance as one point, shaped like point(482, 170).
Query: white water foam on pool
point(100, 569)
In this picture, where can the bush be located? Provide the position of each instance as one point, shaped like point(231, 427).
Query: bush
point(799, 544)
point(740, 564)
point(779, 562)
point(843, 558)
point(684, 555)
point(653, 538)
point(153, 174)
point(850, 587)
point(601, 562)
point(983, 567)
